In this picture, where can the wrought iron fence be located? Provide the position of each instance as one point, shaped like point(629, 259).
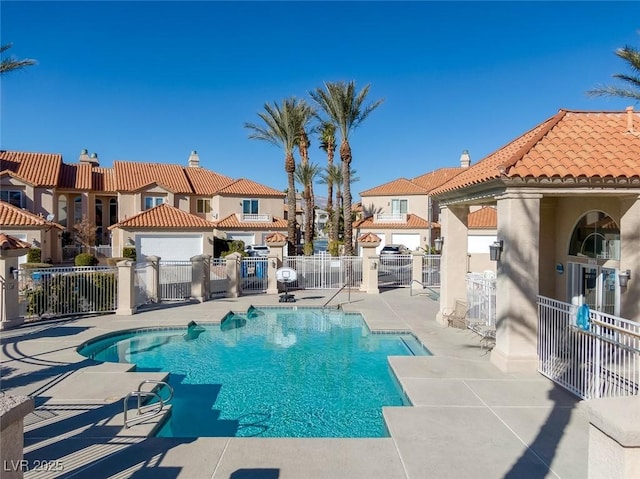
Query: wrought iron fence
point(174, 282)
point(481, 298)
point(395, 270)
point(254, 275)
point(218, 277)
point(431, 270)
point(325, 272)
point(601, 360)
point(67, 291)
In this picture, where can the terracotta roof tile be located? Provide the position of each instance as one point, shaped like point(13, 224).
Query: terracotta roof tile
point(164, 216)
point(131, 176)
point(247, 187)
point(77, 177)
point(369, 238)
point(11, 242)
point(206, 182)
point(13, 216)
point(232, 221)
point(38, 169)
point(432, 180)
point(401, 186)
point(276, 237)
point(413, 221)
point(571, 144)
point(484, 218)
point(103, 179)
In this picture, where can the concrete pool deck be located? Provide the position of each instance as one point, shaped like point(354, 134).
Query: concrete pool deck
point(468, 419)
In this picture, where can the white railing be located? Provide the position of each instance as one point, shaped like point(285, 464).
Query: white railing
point(174, 280)
point(255, 217)
point(431, 270)
point(481, 298)
point(390, 218)
point(395, 270)
point(145, 290)
point(219, 282)
point(103, 250)
point(67, 291)
point(254, 275)
point(325, 271)
point(602, 360)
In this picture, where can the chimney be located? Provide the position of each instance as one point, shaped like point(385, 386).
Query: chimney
point(630, 119)
point(465, 159)
point(84, 156)
point(86, 159)
point(194, 159)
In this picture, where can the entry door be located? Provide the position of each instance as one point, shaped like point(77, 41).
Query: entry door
point(595, 286)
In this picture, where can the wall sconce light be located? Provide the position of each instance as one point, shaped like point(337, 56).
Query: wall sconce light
point(374, 265)
point(438, 244)
point(624, 277)
point(13, 271)
point(130, 241)
point(273, 263)
point(495, 250)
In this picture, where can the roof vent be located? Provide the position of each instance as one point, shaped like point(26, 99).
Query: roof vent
point(630, 119)
point(194, 159)
point(465, 159)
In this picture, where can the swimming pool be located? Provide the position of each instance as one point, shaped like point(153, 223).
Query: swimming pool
point(271, 372)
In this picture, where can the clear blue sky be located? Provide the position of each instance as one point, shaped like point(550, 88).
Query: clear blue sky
point(151, 81)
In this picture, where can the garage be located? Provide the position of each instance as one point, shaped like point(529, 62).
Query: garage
point(410, 240)
point(248, 238)
point(179, 247)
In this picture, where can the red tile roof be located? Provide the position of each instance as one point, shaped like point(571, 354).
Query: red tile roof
point(103, 179)
point(232, 222)
point(38, 169)
point(432, 180)
point(484, 218)
point(401, 186)
point(77, 177)
point(413, 222)
point(132, 176)
point(369, 238)
point(13, 216)
point(570, 145)
point(164, 216)
point(276, 237)
point(206, 182)
point(11, 242)
point(245, 187)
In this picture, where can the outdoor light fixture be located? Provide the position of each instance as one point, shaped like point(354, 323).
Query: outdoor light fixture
point(438, 244)
point(495, 250)
point(624, 277)
point(13, 271)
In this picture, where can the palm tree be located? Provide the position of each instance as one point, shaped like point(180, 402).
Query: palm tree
point(346, 110)
point(306, 174)
point(632, 57)
point(327, 132)
point(11, 63)
point(333, 175)
point(281, 129)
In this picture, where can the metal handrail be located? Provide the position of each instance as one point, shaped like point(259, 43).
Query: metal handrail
point(348, 284)
point(410, 284)
point(154, 408)
point(431, 291)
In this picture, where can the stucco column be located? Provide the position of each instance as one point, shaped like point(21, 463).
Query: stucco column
point(630, 258)
point(370, 263)
point(416, 270)
point(273, 263)
point(153, 277)
point(13, 409)
point(9, 306)
point(233, 273)
point(200, 278)
point(126, 288)
point(517, 283)
point(453, 266)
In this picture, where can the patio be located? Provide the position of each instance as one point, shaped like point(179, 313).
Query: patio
point(468, 418)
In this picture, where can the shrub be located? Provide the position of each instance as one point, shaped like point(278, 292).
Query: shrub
point(85, 259)
point(115, 261)
point(334, 248)
point(129, 252)
point(34, 255)
point(307, 249)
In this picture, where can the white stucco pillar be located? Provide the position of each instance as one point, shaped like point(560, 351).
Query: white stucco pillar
point(153, 277)
point(453, 266)
point(200, 277)
point(126, 288)
point(416, 270)
point(370, 262)
point(273, 263)
point(517, 283)
point(9, 298)
point(233, 274)
point(630, 258)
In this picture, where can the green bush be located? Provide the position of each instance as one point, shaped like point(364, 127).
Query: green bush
point(85, 259)
point(34, 255)
point(129, 252)
point(307, 249)
point(334, 248)
point(115, 261)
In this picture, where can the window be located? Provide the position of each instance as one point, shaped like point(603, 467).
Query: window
point(13, 197)
point(77, 210)
point(596, 235)
point(151, 201)
point(203, 206)
point(62, 210)
point(398, 207)
point(250, 207)
point(113, 211)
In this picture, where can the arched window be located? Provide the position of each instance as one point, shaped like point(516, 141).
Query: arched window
point(596, 235)
point(113, 211)
point(62, 210)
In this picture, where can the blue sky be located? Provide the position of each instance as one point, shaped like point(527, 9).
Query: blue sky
point(151, 81)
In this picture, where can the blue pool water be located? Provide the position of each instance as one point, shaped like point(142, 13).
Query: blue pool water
point(270, 373)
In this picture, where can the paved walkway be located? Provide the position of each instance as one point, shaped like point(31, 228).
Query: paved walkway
point(468, 419)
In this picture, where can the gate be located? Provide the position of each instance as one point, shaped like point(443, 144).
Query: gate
point(395, 270)
point(175, 280)
point(253, 274)
point(325, 272)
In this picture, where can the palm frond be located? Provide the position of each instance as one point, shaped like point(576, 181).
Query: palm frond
point(12, 64)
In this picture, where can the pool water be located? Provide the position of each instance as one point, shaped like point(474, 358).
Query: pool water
point(270, 373)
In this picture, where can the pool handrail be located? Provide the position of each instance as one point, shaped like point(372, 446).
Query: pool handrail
point(154, 409)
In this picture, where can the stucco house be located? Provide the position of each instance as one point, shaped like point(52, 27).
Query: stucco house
point(200, 201)
point(567, 197)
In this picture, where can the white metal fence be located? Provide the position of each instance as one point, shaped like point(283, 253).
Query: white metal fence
point(67, 291)
point(145, 288)
point(325, 272)
point(218, 281)
point(174, 282)
point(602, 360)
point(395, 270)
point(254, 275)
point(431, 270)
point(481, 298)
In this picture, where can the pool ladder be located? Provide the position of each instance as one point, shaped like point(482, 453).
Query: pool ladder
point(146, 411)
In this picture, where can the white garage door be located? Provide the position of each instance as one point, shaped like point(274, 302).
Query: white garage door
point(169, 248)
point(410, 240)
point(248, 239)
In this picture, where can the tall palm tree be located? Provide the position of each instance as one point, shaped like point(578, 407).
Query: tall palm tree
point(632, 57)
point(281, 128)
point(11, 63)
point(333, 175)
point(306, 174)
point(346, 110)
point(327, 133)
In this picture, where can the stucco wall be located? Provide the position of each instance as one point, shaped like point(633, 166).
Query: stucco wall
point(416, 204)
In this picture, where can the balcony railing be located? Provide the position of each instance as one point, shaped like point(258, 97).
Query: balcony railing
point(255, 217)
point(390, 218)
